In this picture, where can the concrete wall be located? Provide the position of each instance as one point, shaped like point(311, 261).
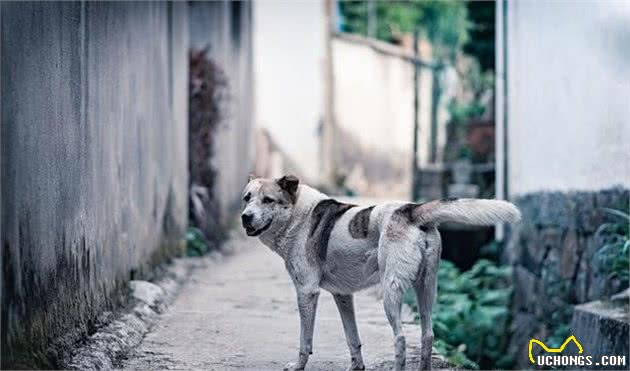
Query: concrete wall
point(289, 52)
point(94, 162)
point(374, 97)
point(226, 28)
point(568, 82)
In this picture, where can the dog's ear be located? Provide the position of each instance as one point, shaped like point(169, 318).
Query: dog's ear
point(289, 183)
point(251, 177)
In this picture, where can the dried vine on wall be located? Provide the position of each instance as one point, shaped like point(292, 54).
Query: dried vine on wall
point(208, 93)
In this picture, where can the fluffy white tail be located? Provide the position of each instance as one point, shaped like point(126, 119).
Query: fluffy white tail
point(467, 211)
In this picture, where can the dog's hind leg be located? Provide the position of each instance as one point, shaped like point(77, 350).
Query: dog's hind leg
point(392, 300)
point(346, 310)
point(399, 259)
point(426, 287)
point(425, 294)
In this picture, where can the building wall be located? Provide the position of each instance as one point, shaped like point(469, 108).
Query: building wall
point(374, 111)
point(94, 163)
point(289, 52)
point(568, 126)
point(568, 91)
point(225, 28)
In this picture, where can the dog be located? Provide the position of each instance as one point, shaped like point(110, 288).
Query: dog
point(343, 248)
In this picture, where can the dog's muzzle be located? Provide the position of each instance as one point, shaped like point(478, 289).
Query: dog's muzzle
point(251, 231)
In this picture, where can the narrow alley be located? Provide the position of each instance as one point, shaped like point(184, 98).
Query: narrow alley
point(130, 131)
point(241, 314)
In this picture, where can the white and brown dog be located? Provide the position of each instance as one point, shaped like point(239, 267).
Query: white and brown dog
point(344, 248)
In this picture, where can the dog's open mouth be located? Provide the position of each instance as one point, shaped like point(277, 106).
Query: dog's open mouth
point(253, 232)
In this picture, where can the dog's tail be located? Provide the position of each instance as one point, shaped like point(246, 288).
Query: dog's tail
point(466, 211)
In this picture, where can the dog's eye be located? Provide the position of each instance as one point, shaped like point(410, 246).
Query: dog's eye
point(247, 197)
point(267, 200)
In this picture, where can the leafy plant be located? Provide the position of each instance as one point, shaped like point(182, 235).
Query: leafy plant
point(559, 334)
point(196, 244)
point(460, 112)
point(612, 258)
point(445, 23)
point(470, 316)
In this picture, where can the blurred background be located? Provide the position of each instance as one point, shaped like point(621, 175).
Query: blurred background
point(129, 129)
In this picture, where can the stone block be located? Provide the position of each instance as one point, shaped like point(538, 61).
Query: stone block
point(555, 210)
point(551, 238)
point(602, 329)
point(525, 289)
point(529, 208)
point(514, 245)
point(614, 198)
point(533, 248)
point(524, 326)
point(583, 280)
point(587, 217)
point(570, 254)
point(554, 285)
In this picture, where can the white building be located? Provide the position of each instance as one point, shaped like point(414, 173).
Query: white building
point(373, 102)
point(566, 98)
point(288, 70)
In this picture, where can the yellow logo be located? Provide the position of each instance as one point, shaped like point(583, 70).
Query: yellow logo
point(553, 350)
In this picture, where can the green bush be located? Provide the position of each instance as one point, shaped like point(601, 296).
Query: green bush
point(444, 23)
point(470, 315)
point(612, 258)
point(196, 244)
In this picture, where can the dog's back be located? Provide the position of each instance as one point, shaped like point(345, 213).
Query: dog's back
point(347, 237)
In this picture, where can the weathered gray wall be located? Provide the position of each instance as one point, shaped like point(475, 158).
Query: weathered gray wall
point(94, 162)
point(226, 28)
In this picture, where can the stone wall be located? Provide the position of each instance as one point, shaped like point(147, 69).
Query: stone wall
point(551, 252)
point(94, 162)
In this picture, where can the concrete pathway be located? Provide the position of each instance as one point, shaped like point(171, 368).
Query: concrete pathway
point(241, 314)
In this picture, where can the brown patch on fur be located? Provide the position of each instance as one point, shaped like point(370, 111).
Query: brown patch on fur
point(412, 213)
point(272, 189)
point(323, 219)
point(289, 185)
point(407, 215)
point(360, 223)
point(406, 212)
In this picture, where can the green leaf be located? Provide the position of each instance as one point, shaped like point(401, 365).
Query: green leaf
point(618, 213)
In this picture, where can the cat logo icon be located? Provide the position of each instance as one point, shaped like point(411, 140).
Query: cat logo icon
point(553, 350)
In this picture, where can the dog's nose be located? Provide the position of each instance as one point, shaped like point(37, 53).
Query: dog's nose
point(246, 219)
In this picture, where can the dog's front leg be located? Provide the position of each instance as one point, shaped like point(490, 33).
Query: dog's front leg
point(346, 310)
point(307, 297)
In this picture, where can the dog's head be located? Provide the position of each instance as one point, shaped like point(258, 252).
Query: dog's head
point(268, 203)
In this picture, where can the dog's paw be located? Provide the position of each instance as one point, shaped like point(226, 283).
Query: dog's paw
point(354, 367)
point(292, 366)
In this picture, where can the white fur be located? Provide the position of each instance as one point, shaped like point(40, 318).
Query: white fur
point(401, 250)
point(470, 211)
